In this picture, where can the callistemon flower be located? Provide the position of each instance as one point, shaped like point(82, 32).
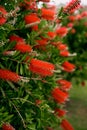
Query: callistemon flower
point(42, 42)
point(68, 67)
point(84, 14)
point(16, 38)
point(3, 13)
point(72, 18)
point(41, 67)
point(64, 84)
point(47, 14)
point(70, 25)
point(23, 48)
point(66, 125)
point(9, 75)
point(59, 96)
point(65, 53)
point(51, 6)
point(31, 18)
point(71, 6)
point(51, 35)
point(7, 126)
point(62, 31)
point(62, 46)
point(60, 112)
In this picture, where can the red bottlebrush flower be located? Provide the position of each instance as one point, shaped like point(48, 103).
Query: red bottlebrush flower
point(23, 48)
point(71, 6)
point(62, 31)
point(9, 75)
point(68, 67)
point(31, 18)
point(62, 46)
point(70, 25)
point(65, 85)
point(41, 67)
point(60, 112)
point(66, 125)
point(64, 53)
point(47, 14)
point(16, 39)
point(72, 18)
point(3, 13)
point(51, 34)
point(59, 96)
point(84, 14)
point(6, 126)
point(42, 42)
point(35, 28)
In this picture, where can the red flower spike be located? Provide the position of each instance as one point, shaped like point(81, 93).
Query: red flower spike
point(31, 18)
point(3, 13)
point(72, 6)
point(47, 14)
point(64, 84)
point(64, 53)
point(9, 75)
point(68, 67)
point(6, 126)
point(72, 18)
point(41, 67)
point(70, 25)
point(42, 42)
point(62, 31)
point(23, 48)
point(16, 39)
point(66, 125)
point(51, 35)
point(59, 96)
point(62, 46)
point(60, 112)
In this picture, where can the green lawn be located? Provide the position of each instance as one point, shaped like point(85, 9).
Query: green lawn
point(77, 107)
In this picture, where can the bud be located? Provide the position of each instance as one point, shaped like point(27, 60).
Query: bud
point(66, 125)
point(64, 53)
point(59, 96)
point(41, 67)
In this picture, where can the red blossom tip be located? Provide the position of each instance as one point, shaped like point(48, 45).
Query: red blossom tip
point(41, 67)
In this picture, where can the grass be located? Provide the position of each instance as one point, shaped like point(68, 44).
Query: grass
point(77, 107)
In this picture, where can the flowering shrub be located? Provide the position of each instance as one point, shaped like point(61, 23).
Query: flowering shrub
point(34, 68)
